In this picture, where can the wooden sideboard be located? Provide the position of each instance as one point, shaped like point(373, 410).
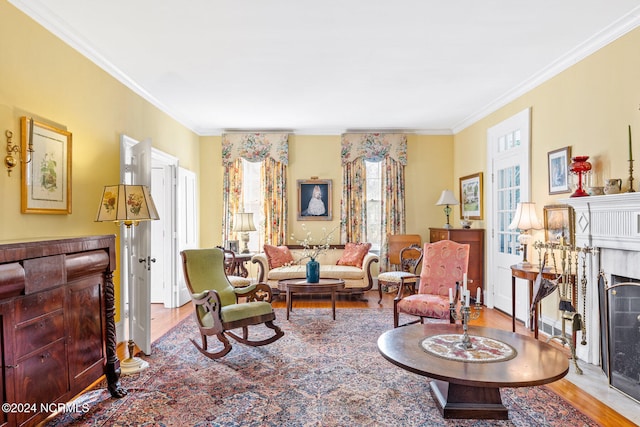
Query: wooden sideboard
point(57, 325)
point(475, 238)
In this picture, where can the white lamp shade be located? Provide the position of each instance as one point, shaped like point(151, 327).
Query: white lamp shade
point(447, 198)
point(525, 217)
point(126, 203)
point(243, 221)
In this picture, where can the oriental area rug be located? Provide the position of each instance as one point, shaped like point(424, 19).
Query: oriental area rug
point(321, 373)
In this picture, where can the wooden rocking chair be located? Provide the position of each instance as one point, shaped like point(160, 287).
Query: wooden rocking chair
point(217, 306)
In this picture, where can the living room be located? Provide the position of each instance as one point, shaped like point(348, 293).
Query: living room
point(588, 106)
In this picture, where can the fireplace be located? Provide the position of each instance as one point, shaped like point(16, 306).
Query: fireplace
point(621, 320)
point(611, 224)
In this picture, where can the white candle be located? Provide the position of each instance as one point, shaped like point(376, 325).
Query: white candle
point(478, 296)
point(450, 296)
point(466, 297)
point(464, 283)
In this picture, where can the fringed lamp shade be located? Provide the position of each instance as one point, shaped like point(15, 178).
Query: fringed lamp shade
point(126, 204)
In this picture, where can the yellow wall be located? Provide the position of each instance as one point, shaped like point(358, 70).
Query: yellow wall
point(41, 76)
point(428, 172)
point(588, 107)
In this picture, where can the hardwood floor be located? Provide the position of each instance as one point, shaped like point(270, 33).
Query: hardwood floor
point(164, 319)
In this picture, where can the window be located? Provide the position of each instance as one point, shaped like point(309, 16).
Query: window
point(252, 200)
point(374, 205)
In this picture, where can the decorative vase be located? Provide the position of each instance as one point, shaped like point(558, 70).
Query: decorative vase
point(313, 271)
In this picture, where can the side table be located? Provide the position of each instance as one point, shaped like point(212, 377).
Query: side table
point(239, 268)
point(529, 274)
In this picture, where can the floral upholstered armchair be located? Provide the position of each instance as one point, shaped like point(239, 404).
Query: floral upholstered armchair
point(443, 264)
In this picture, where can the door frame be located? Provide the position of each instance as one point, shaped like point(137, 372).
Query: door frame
point(523, 117)
point(169, 164)
point(126, 144)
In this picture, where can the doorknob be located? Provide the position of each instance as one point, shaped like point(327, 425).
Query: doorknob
point(149, 260)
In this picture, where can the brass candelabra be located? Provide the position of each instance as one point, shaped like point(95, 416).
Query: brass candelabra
point(465, 314)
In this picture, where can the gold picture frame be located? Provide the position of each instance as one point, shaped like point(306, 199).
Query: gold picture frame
point(46, 177)
point(314, 200)
point(559, 222)
point(471, 199)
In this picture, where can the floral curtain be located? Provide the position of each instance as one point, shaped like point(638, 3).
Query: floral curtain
point(272, 149)
point(391, 149)
point(353, 209)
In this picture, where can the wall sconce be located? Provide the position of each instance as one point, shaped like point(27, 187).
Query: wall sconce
point(15, 150)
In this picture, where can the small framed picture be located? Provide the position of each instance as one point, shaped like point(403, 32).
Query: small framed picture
point(314, 199)
point(559, 224)
point(471, 202)
point(46, 177)
point(233, 245)
point(559, 170)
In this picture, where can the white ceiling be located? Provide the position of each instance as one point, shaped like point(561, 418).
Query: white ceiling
point(325, 67)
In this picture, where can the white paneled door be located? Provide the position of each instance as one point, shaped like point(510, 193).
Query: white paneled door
point(508, 155)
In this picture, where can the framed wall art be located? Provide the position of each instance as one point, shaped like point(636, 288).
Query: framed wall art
point(471, 202)
point(46, 178)
point(559, 224)
point(314, 199)
point(233, 245)
point(559, 170)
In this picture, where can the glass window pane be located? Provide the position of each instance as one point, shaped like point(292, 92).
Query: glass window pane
point(374, 204)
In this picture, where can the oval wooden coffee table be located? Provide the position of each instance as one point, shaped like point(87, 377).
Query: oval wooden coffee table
point(301, 286)
point(471, 389)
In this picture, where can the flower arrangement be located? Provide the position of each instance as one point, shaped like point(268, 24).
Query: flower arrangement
point(311, 248)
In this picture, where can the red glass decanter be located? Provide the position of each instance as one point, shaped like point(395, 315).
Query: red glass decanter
point(579, 166)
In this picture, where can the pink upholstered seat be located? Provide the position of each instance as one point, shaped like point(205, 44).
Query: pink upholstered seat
point(444, 263)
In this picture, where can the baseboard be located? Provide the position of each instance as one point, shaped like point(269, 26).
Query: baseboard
point(553, 327)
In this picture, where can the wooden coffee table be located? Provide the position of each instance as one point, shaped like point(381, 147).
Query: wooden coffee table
point(301, 286)
point(472, 389)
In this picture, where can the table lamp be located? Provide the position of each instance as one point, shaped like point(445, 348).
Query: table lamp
point(128, 205)
point(447, 198)
point(525, 220)
point(243, 223)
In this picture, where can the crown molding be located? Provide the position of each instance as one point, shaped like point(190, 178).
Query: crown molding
point(609, 34)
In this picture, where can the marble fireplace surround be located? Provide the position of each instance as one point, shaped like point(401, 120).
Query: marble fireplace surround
point(610, 223)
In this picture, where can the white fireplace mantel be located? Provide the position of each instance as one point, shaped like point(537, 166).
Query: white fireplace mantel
point(611, 225)
point(611, 221)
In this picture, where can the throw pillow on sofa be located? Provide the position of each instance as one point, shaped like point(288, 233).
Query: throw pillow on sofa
point(354, 254)
point(278, 256)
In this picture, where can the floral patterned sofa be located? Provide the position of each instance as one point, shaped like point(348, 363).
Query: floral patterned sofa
point(351, 262)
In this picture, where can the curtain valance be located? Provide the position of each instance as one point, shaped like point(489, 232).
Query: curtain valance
point(374, 147)
point(255, 147)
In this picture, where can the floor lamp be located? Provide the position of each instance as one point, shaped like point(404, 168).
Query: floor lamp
point(128, 205)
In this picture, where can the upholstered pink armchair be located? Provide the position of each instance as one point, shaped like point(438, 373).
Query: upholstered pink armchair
point(444, 263)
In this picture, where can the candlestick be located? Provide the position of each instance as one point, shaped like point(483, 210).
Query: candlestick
point(630, 151)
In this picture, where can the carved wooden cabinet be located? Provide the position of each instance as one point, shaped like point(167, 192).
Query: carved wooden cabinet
point(56, 321)
point(475, 238)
